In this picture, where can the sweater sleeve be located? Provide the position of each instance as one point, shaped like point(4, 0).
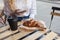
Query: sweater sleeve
point(33, 9)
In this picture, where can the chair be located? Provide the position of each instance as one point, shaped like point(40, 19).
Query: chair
point(53, 13)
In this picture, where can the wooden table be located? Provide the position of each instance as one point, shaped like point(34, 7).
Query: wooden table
point(6, 34)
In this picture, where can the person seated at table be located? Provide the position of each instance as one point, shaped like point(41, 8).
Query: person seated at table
point(18, 10)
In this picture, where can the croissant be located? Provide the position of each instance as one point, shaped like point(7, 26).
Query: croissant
point(33, 23)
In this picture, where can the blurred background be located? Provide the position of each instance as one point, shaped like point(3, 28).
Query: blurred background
point(43, 13)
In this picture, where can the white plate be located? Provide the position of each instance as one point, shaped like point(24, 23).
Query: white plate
point(29, 28)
